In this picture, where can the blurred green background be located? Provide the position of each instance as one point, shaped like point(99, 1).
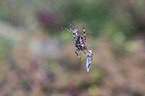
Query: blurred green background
point(37, 57)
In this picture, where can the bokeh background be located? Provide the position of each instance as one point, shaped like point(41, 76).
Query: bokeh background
point(37, 57)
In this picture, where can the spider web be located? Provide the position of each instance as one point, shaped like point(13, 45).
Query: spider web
point(53, 57)
point(113, 44)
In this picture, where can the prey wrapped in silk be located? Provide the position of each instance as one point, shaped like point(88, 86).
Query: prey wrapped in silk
point(88, 60)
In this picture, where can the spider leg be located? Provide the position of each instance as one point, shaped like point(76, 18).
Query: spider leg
point(84, 34)
point(77, 52)
point(74, 35)
point(73, 41)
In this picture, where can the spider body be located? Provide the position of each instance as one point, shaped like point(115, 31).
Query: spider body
point(80, 43)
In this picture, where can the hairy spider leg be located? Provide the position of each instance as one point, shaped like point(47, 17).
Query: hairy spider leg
point(77, 52)
point(74, 38)
point(75, 34)
point(84, 34)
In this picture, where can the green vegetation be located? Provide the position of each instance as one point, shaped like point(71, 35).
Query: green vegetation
point(37, 57)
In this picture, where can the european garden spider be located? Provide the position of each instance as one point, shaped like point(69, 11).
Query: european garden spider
point(79, 42)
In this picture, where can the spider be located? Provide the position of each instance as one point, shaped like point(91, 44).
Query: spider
point(79, 42)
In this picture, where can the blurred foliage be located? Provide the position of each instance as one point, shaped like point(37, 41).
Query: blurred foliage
point(38, 58)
